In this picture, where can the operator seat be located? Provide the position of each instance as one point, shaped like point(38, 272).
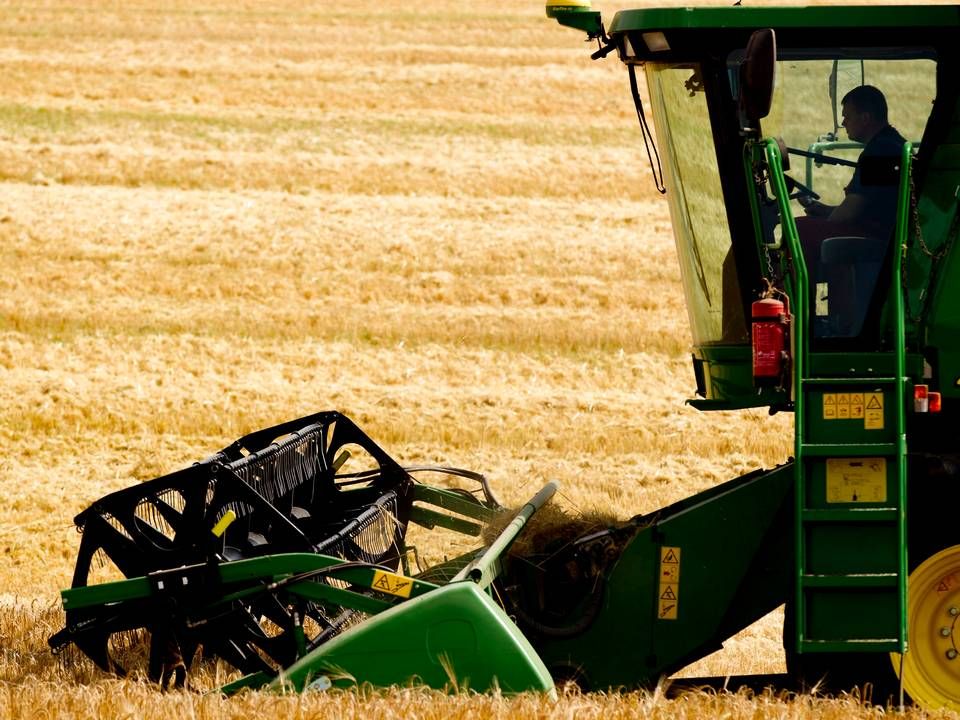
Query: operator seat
point(851, 265)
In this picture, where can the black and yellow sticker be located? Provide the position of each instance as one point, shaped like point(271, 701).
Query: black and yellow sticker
point(855, 406)
point(873, 411)
point(668, 592)
point(392, 584)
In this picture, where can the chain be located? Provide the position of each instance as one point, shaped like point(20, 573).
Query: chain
point(935, 257)
point(915, 217)
point(759, 180)
point(769, 259)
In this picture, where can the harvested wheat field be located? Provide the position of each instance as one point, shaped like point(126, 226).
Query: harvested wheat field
point(216, 218)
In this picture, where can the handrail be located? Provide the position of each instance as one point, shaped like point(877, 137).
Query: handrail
point(798, 337)
point(900, 352)
point(791, 238)
point(801, 341)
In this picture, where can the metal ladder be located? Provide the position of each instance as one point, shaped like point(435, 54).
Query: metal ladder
point(850, 517)
point(850, 481)
point(850, 466)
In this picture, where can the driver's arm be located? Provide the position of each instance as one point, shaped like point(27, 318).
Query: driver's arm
point(815, 208)
point(850, 210)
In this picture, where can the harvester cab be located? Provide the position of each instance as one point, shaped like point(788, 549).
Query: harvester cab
point(735, 104)
point(829, 291)
point(287, 553)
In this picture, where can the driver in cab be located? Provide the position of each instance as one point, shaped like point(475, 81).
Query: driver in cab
point(869, 202)
point(869, 206)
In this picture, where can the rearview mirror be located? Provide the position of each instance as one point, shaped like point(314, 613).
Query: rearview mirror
point(758, 77)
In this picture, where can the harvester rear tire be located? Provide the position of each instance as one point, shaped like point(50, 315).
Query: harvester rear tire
point(931, 666)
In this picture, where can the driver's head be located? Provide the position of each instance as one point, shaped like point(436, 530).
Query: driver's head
point(864, 113)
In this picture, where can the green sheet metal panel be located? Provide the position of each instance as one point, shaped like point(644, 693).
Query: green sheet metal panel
point(725, 379)
point(851, 615)
point(734, 548)
point(844, 549)
point(452, 637)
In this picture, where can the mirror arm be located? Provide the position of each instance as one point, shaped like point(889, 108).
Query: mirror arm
point(604, 49)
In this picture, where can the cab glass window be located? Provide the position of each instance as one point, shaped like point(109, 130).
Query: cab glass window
point(807, 110)
point(697, 208)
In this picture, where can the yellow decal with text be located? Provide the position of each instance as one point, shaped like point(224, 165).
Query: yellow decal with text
point(668, 593)
point(392, 584)
point(855, 406)
point(856, 480)
point(873, 413)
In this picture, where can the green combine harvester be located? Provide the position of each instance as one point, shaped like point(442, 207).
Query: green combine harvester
point(287, 553)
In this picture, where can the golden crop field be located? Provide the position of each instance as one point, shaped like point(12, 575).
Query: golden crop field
point(435, 217)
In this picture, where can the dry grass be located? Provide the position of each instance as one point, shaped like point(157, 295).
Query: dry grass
point(124, 699)
point(35, 685)
point(218, 218)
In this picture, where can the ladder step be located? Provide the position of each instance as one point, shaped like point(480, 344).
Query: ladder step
point(864, 580)
point(866, 645)
point(849, 381)
point(852, 515)
point(849, 450)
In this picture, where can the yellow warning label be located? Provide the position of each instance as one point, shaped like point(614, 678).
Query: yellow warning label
point(829, 406)
point(856, 405)
point(843, 406)
point(669, 587)
point(948, 583)
point(667, 604)
point(856, 480)
point(392, 584)
point(873, 411)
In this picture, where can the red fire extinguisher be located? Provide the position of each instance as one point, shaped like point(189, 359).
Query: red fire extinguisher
point(770, 355)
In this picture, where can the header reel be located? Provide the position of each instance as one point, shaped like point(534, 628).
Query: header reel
point(200, 550)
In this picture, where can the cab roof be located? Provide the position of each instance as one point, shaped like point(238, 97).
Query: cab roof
point(813, 17)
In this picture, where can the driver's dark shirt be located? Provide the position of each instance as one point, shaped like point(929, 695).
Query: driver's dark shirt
point(878, 185)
